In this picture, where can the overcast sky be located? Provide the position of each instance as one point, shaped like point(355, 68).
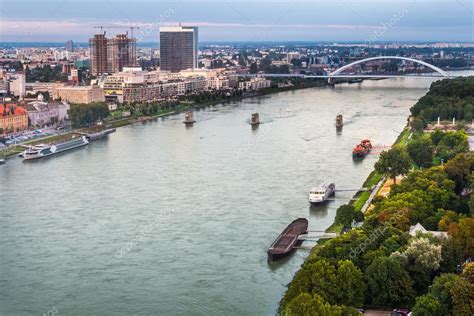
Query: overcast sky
point(243, 20)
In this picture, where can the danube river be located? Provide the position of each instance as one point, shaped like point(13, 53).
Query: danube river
point(164, 219)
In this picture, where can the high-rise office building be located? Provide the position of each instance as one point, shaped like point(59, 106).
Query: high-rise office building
point(111, 55)
point(70, 46)
point(178, 48)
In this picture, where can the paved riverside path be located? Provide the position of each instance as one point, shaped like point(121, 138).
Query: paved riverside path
point(377, 187)
point(372, 195)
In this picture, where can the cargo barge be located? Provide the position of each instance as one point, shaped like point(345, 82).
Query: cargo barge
point(288, 239)
point(361, 150)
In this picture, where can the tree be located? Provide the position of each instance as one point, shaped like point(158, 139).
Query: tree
point(441, 290)
point(427, 305)
point(471, 197)
point(448, 218)
point(307, 305)
point(393, 163)
point(389, 284)
point(462, 236)
point(316, 278)
point(403, 209)
point(422, 253)
point(417, 125)
point(343, 284)
point(345, 215)
point(468, 272)
point(420, 259)
point(462, 294)
point(458, 169)
point(87, 114)
point(351, 285)
point(436, 136)
point(420, 151)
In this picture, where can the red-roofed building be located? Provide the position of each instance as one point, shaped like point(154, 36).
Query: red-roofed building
point(13, 118)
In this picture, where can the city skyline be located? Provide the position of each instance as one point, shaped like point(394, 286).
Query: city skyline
point(339, 20)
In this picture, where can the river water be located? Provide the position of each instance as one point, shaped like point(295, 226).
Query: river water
point(164, 219)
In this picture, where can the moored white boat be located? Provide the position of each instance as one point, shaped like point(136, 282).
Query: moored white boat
point(321, 192)
point(42, 150)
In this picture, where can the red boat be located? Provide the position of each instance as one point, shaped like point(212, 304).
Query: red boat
point(288, 239)
point(362, 149)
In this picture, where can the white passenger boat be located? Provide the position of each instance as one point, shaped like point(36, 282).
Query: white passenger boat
point(321, 192)
point(42, 150)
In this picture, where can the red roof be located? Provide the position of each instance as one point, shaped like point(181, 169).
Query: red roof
point(5, 110)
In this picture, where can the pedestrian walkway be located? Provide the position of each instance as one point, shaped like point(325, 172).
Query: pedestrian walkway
point(372, 195)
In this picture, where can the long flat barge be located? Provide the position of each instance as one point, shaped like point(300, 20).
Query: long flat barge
point(288, 239)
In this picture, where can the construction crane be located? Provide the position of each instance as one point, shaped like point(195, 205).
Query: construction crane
point(101, 27)
point(131, 30)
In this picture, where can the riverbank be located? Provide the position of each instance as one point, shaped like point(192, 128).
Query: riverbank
point(374, 180)
point(408, 233)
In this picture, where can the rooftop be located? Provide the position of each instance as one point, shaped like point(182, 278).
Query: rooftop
point(5, 110)
point(418, 228)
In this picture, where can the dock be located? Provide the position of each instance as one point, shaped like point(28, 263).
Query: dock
point(97, 135)
point(352, 190)
point(316, 235)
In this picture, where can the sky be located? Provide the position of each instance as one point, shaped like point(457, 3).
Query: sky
point(242, 20)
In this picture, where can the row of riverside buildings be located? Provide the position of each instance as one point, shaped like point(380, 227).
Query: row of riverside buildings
point(133, 84)
point(15, 117)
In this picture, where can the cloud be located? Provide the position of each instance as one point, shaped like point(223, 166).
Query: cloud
point(7, 26)
point(60, 30)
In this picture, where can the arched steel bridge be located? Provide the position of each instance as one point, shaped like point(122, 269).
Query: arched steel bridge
point(338, 72)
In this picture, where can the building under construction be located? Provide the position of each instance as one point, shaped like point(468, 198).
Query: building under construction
point(110, 55)
point(98, 54)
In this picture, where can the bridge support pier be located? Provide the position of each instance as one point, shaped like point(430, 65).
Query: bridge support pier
point(331, 81)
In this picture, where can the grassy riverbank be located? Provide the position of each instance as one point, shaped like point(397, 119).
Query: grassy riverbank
point(361, 197)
